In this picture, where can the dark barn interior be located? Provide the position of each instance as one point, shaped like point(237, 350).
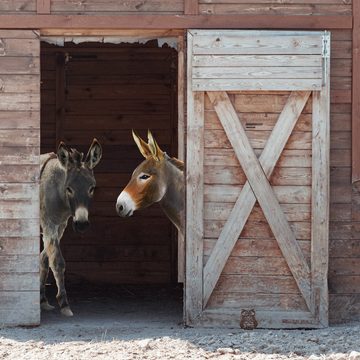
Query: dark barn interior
point(104, 90)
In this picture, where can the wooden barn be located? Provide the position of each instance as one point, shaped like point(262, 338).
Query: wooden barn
point(261, 98)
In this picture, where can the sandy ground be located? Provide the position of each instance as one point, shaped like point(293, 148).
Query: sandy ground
point(137, 325)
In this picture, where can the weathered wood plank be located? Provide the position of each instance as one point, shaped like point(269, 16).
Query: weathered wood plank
point(20, 47)
point(191, 7)
point(228, 43)
point(356, 92)
point(266, 319)
point(19, 101)
point(16, 306)
point(261, 247)
point(23, 282)
point(194, 197)
point(19, 173)
point(19, 209)
point(19, 65)
point(259, 84)
point(20, 246)
point(271, 302)
point(19, 192)
point(320, 200)
point(253, 72)
point(19, 83)
point(19, 263)
point(19, 228)
point(256, 60)
point(21, 155)
point(43, 6)
point(247, 198)
point(229, 193)
point(20, 137)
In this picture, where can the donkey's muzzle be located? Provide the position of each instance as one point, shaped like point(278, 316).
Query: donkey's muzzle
point(81, 226)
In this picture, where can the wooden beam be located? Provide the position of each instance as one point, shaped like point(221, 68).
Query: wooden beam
point(320, 201)
point(174, 22)
point(191, 7)
point(246, 201)
point(43, 6)
point(263, 192)
point(356, 93)
point(194, 198)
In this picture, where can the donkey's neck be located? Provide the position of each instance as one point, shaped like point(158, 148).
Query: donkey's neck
point(173, 201)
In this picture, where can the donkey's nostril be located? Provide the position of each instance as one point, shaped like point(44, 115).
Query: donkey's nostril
point(121, 208)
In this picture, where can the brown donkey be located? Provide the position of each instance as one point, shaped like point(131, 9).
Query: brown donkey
point(67, 185)
point(159, 178)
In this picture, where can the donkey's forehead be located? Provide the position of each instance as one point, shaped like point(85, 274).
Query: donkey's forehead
point(82, 173)
point(149, 165)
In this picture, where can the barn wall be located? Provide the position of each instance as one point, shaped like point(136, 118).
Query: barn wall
point(275, 7)
point(104, 91)
point(19, 171)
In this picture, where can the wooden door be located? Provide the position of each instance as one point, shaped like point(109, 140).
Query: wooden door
point(19, 175)
point(257, 179)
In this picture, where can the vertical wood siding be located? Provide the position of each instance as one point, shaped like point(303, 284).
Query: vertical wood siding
point(107, 91)
point(19, 171)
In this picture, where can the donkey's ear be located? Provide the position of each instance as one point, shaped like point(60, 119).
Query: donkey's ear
point(142, 145)
point(156, 152)
point(63, 155)
point(94, 154)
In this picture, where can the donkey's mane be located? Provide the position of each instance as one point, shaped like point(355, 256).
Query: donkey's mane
point(76, 156)
point(177, 163)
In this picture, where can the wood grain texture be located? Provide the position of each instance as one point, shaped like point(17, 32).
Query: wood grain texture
point(194, 198)
point(263, 191)
point(320, 201)
point(247, 199)
point(356, 93)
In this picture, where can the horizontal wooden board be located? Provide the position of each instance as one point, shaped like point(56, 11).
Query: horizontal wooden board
point(18, 34)
point(229, 193)
point(257, 284)
point(260, 247)
point(261, 301)
point(99, 6)
point(275, 9)
point(19, 83)
point(19, 281)
point(20, 308)
point(252, 72)
point(220, 211)
point(19, 119)
point(19, 101)
point(21, 155)
point(120, 253)
point(19, 173)
point(19, 209)
point(19, 263)
point(344, 284)
point(260, 84)
point(20, 246)
point(19, 228)
point(20, 137)
point(258, 139)
point(19, 191)
point(19, 65)
point(301, 230)
point(20, 47)
point(255, 266)
point(255, 60)
point(229, 44)
point(289, 158)
point(234, 175)
point(257, 121)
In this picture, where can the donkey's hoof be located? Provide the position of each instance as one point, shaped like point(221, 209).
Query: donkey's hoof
point(66, 311)
point(46, 306)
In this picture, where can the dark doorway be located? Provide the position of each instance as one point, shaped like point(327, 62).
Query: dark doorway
point(105, 90)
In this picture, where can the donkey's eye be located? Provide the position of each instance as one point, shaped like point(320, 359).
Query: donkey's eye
point(69, 190)
point(144, 177)
point(91, 190)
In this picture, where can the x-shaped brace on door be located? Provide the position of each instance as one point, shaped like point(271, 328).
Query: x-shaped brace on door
point(257, 187)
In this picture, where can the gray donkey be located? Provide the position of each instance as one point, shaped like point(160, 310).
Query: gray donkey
point(67, 184)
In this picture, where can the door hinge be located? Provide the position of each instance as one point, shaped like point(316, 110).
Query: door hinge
point(326, 45)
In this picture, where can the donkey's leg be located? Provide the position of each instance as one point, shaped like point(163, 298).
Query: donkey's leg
point(57, 264)
point(44, 271)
